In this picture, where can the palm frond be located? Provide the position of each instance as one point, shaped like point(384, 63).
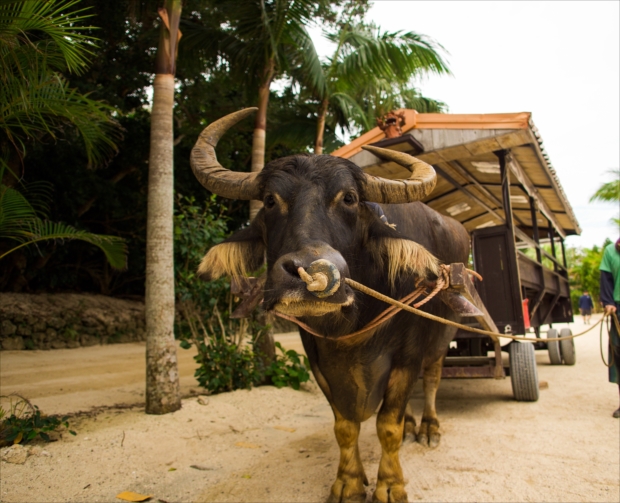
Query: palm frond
point(610, 191)
point(35, 22)
point(35, 231)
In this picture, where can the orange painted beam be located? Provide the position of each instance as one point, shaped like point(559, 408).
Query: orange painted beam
point(414, 120)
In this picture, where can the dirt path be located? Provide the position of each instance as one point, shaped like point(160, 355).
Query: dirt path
point(277, 445)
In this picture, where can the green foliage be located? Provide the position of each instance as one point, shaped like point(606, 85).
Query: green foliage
point(22, 422)
point(225, 366)
point(224, 354)
point(225, 347)
point(584, 273)
point(610, 192)
point(39, 40)
point(288, 369)
point(21, 222)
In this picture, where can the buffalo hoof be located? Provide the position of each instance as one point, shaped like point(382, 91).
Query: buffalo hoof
point(348, 490)
point(409, 432)
point(429, 435)
point(390, 493)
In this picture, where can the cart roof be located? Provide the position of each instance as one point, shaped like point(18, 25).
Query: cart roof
point(460, 147)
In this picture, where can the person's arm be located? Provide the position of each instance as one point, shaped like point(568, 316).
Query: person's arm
point(607, 291)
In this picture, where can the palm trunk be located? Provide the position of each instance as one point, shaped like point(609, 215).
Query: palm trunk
point(162, 377)
point(320, 128)
point(260, 132)
point(265, 345)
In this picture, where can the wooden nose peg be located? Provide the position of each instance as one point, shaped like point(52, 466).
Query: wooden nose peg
point(322, 278)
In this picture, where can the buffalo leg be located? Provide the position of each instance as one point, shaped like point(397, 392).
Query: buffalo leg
point(409, 428)
point(429, 428)
point(349, 485)
point(390, 427)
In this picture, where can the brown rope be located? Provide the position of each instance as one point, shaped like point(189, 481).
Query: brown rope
point(611, 347)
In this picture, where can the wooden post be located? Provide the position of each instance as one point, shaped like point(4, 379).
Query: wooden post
point(505, 177)
point(535, 229)
point(551, 236)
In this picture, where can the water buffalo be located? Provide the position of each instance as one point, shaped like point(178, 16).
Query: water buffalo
point(322, 208)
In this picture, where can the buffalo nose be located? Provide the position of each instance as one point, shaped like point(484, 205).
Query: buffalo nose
point(322, 278)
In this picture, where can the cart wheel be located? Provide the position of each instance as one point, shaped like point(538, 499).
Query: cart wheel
point(523, 372)
point(554, 347)
point(567, 347)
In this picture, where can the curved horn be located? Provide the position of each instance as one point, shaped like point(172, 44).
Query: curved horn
point(417, 186)
point(210, 173)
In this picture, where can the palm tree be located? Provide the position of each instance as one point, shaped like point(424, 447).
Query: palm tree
point(39, 40)
point(267, 38)
point(609, 192)
point(370, 71)
point(163, 394)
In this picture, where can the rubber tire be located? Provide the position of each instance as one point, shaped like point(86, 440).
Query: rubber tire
point(555, 355)
point(523, 372)
point(567, 348)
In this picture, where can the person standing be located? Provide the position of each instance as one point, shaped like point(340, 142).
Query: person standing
point(585, 307)
point(610, 297)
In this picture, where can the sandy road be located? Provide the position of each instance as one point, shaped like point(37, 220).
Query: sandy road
point(277, 445)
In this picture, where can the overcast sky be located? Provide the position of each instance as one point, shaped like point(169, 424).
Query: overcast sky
point(558, 60)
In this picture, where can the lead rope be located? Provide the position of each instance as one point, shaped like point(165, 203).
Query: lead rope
point(614, 318)
point(443, 282)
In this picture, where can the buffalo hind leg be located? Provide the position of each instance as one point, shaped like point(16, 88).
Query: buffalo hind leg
point(350, 481)
point(429, 428)
point(390, 428)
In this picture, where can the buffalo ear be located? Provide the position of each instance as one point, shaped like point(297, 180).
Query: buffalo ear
point(400, 255)
point(237, 255)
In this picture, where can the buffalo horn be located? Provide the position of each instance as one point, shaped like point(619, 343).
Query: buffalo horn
point(210, 173)
point(416, 187)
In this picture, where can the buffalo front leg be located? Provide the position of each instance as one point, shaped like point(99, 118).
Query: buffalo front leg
point(390, 428)
point(429, 428)
point(350, 481)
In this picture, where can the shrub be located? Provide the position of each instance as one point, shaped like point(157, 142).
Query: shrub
point(288, 369)
point(22, 422)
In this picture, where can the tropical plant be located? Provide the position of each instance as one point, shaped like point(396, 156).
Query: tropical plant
point(261, 40)
point(40, 39)
point(583, 271)
point(163, 394)
point(369, 74)
point(27, 224)
point(22, 422)
point(609, 192)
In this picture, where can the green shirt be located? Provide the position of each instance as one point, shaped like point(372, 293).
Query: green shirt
point(611, 263)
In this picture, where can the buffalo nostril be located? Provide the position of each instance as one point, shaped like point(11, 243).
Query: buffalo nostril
point(291, 268)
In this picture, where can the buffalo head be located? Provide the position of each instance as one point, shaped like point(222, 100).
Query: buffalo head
point(315, 227)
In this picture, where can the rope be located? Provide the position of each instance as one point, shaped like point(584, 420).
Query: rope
point(397, 306)
point(611, 350)
point(442, 283)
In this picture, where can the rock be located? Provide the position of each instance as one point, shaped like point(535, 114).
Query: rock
point(56, 322)
point(89, 340)
point(39, 326)
point(13, 343)
point(73, 343)
point(58, 344)
point(51, 334)
point(24, 330)
point(7, 328)
point(16, 454)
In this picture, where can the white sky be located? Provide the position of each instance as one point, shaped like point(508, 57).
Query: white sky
point(559, 60)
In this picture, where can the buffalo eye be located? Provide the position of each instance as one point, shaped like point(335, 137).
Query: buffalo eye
point(269, 202)
point(349, 199)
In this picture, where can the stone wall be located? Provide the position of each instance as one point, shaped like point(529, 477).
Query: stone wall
point(53, 321)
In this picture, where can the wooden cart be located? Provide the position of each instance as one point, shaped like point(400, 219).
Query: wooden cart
point(496, 179)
